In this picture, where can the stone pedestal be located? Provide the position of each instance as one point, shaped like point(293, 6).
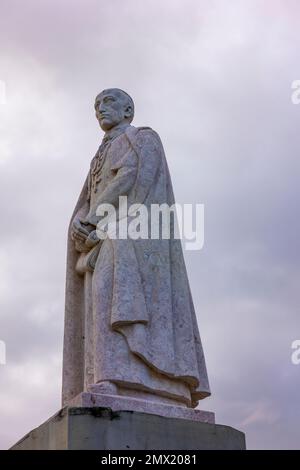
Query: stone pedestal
point(121, 403)
point(102, 428)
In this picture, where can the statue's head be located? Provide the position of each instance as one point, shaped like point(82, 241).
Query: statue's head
point(113, 107)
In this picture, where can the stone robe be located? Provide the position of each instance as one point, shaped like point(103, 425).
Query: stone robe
point(130, 317)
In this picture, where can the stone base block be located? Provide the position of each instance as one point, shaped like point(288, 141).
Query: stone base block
point(119, 403)
point(98, 428)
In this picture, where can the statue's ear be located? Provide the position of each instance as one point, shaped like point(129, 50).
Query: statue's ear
point(128, 111)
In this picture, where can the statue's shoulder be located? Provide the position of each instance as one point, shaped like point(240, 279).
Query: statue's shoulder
point(142, 134)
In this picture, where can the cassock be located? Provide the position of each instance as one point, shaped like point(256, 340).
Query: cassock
point(129, 313)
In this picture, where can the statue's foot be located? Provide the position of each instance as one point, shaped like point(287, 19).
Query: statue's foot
point(105, 388)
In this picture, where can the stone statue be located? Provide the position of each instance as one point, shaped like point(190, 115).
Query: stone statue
point(130, 324)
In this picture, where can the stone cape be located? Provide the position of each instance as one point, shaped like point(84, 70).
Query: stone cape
point(138, 328)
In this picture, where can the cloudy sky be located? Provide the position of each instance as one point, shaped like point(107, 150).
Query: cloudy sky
point(214, 79)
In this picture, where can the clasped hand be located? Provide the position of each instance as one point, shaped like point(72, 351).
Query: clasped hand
point(84, 234)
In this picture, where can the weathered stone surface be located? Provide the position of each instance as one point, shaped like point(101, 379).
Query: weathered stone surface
point(130, 323)
point(103, 429)
point(119, 403)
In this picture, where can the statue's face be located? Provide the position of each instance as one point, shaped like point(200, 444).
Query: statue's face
point(111, 109)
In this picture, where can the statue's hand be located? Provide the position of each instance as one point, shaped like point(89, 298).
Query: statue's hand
point(91, 220)
point(92, 239)
point(79, 232)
